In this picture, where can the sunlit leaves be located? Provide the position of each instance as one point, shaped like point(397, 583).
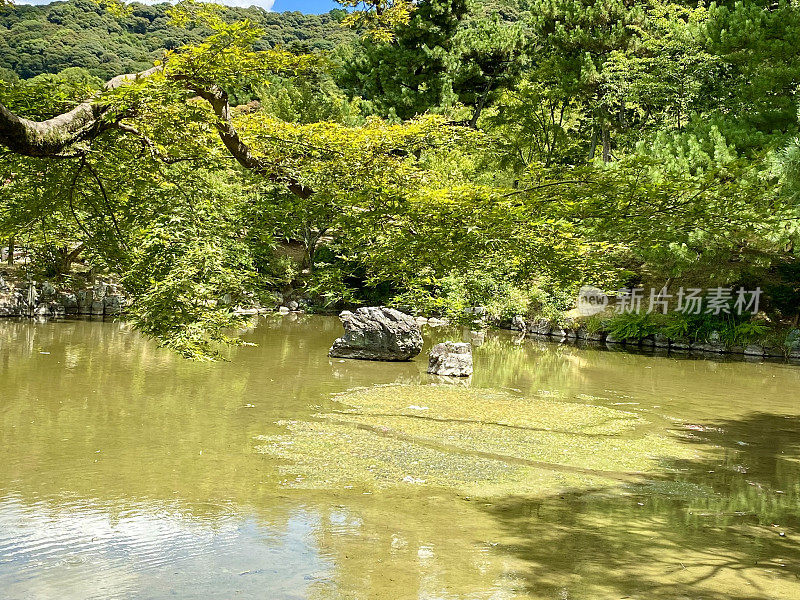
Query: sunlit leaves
point(377, 18)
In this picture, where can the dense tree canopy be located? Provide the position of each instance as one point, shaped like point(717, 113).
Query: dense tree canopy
point(433, 155)
point(83, 33)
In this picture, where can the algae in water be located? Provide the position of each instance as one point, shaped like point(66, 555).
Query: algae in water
point(478, 441)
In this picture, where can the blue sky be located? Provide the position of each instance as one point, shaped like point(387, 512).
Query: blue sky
point(306, 6)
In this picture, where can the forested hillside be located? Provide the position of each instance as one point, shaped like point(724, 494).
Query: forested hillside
point(81, 33)
point(436, 155)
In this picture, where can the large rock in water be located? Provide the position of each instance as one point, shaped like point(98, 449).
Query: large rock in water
point(451, 359)
point(378, 333)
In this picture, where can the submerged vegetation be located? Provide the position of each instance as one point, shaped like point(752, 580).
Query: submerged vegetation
point(437, 155)
point(479, 441)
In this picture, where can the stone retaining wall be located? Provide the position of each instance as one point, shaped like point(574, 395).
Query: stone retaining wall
point(44, 299)
point(543, 328)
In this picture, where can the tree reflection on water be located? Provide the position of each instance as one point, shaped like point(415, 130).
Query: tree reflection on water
point(665, 538)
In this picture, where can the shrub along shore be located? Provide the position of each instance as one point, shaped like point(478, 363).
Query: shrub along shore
point(770, 342)
point(82, 295)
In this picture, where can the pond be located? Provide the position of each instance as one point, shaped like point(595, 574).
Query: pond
point(553, 473)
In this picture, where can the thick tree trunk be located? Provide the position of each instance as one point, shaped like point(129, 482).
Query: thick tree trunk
point(68, 257)
point(11, 248)
point(50, 138)
point(593, 145)
point(47, 138)
point(606, 145)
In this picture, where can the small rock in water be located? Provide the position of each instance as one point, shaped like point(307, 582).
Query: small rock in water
point(292, 305)
point(541, 327)
point(451, 359)
point(477, 338)
point(43, 310)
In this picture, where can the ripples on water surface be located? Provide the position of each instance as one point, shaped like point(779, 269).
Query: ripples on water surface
point(128, 473)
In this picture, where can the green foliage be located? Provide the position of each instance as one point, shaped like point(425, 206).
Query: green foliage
point(380, 17)
point(177, 281)
point(407, 75)
point(594, 324)
point(310, 97)
point(585, 42)
point(759, 50)
point(328, 286)
point(462, 153)
point(498, 298)
point(85, 33)
point(792, 340)
point(729, 329)
point(632, 326)
point(46, 96)
point(743, 333)
point(187, 268)
point(531, 125)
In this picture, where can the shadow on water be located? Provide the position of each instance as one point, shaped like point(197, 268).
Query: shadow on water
point(724, 526)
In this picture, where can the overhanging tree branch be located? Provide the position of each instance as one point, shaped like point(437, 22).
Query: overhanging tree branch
point(48, 139)
point(218, 99)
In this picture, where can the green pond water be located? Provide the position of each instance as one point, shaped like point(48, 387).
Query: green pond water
point(554, 472)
